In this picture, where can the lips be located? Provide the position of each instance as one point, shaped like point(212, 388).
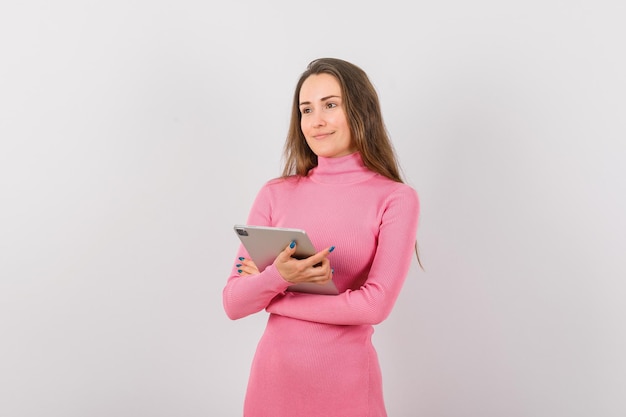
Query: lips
point(320, 136)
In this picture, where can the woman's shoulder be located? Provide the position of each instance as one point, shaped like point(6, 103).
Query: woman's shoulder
point(282, 181)
point(395, 192)
point(280, 184)
point(393, 186)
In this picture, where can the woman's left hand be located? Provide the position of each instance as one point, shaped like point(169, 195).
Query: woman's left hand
point(247, 267)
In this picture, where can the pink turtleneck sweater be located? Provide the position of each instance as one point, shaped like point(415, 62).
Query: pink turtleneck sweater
point(316, 357)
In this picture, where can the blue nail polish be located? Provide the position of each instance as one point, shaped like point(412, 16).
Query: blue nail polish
point(240, 271)
point(238, 265)
point(241, 258)
point(332, 270)
point(332, 248)
point(292, 244)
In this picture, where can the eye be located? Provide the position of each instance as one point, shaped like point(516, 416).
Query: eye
point(305, 110)
point(331, 105)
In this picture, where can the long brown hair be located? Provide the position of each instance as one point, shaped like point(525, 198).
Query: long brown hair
point(367, 128)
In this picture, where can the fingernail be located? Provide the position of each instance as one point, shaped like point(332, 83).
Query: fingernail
point(241, 258)
point(332, 270)
point(292, 244)
point(238, 265)
point(240, 271)
point(332, 248)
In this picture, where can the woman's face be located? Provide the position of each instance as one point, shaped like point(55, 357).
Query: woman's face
point(324, 122)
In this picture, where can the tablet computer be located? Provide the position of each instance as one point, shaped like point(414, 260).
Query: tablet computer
point(264, 243)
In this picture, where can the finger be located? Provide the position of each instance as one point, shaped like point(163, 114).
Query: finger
point(288, 252)
point(247, 270)
point(319, 272)
point(246, 266)
point(327, 275)
point(249, 263)
point(322, 278)
point(319, 256)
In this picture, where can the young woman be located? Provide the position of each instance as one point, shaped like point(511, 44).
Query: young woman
point(341, 183)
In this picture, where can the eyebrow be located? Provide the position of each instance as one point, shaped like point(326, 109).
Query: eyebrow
point(322, 99)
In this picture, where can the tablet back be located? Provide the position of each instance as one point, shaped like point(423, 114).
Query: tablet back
point(264, 243)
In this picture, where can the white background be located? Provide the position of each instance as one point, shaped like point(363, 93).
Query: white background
point(134, 134)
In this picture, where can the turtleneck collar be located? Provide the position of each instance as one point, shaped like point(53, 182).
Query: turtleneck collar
point(342, 170)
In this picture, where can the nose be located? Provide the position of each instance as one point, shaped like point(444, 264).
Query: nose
point(318, 119)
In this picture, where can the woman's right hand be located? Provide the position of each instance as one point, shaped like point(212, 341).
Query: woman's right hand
point(316, 268)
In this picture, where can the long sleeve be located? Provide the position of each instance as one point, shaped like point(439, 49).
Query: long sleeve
point(373, 301)
point(247, 295)
point(243, 296)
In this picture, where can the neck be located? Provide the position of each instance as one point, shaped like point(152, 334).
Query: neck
point(341, 170)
